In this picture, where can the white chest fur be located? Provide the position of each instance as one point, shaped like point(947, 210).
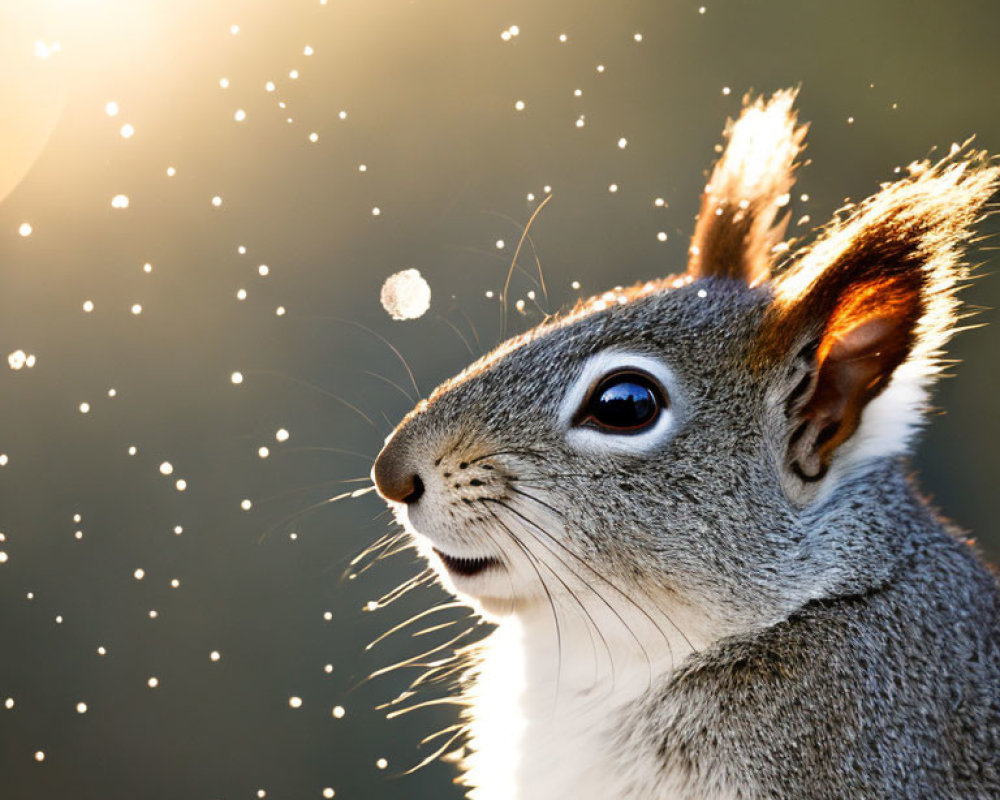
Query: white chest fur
point(549, 721)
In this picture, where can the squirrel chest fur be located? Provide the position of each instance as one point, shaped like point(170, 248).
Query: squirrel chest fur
point(687, 507)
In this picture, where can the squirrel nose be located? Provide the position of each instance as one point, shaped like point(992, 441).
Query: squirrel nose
point(394, 478)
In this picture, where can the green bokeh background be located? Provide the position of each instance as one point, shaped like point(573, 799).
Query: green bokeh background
point(430, 88)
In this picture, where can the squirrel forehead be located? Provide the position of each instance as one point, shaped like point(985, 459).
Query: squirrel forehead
point(690, 323)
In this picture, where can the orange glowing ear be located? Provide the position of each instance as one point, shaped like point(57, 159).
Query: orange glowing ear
point(736, 232)
point(864, 313)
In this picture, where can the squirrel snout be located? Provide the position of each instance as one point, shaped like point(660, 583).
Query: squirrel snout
point(394, 477)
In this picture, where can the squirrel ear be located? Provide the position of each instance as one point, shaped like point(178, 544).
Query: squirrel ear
point(867, 309)
point(736, 232)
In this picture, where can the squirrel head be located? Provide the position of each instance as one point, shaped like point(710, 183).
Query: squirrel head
point(722, 437)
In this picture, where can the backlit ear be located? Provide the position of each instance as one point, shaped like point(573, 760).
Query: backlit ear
point(736, 232)
point(861, 317)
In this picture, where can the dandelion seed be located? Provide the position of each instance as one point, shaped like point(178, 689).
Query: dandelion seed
point(405, 295)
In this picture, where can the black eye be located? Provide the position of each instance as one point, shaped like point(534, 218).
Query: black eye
point(625, 402)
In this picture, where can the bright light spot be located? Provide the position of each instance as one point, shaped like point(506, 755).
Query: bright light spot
point(659, 202)
point(24, 229)
point(547, 189)
point(702, 294)
point(662, 236)
point(307, 50)
point(133, 450)
point(3, 557)
point(216, 201)
point(405, 295)
point(613, 188)
point(726, 90)
point(111, 108)
point(514, 30)
point(328, 668)
point(328, 616)
point(280, 311)
point(622, 143)
point(224, 83)
point(314, 137)
point(263, 452)
point(850, 120)
point(505, 35)
point(127, 131)
point(638, 37)
point(338, 712)
point(234, 29)
point(575, 285)
point(580, 122)
point(261, 794)
point(84, 408)
point(153, 613)
point(153, 682)
point(236, 378)
point(171, 172)
point(519, 105)
point(119, 201)
point(328, 793)
point(81, 708)
point(241, 294)
point(240, 115)
point(39, 756)
point(263, 270)
point(499, 244)
point(166, 468)
point(376, 211)
point(294, 74)
point(563, 37)
point(174, 583)
point(246, 505)
point(76, 518)
point(139, 574)
point(43, 50)
point(241, 250)
point(136, 309)
point(701, 10)
point(600, 68)
point(18, 360)
point(578, 93)
point(381, 763)
point(102, 650)
point(77, 535)
point(342, 115)
point(215, 655)
point(295, 702)
point(59, 619)
point(281, 435)
point(181, 484)
point(362, 168)
point(269, 86)
point(178, 530)
point(8, 703)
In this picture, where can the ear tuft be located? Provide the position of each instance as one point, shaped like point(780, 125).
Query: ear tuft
point(868, 308)
point(736, 232)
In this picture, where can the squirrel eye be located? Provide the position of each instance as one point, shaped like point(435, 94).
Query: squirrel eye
point(624, 402)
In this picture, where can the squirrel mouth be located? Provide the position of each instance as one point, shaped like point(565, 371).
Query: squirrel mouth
point(466, 567)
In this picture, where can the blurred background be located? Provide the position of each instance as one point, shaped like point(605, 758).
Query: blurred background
point(199, 203)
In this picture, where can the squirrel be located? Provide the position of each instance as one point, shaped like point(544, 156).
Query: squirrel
point(687, 505)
